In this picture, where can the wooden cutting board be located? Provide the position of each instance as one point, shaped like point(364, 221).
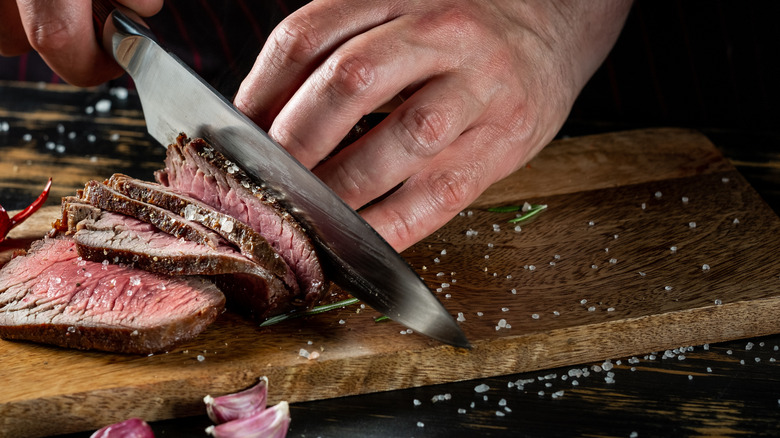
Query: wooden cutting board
point(593, 277)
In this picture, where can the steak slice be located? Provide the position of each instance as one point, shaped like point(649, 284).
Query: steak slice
point(194, 168)
point(105, 198)
point(119, 239)
point(53, 296)
point(249, 242)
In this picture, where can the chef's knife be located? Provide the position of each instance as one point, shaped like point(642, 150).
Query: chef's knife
point(175, 99)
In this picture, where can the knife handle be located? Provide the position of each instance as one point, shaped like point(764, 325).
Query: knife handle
point(101, 9)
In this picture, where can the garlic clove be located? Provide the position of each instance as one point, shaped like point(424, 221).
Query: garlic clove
point(270, 423)
point(239, 405)
point(132, 428)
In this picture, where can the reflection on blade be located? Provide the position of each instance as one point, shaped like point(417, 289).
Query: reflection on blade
point(175, 100)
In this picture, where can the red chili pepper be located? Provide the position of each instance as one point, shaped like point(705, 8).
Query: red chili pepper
point(6, 224)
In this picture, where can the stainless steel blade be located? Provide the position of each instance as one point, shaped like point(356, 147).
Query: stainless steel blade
point(175, 99)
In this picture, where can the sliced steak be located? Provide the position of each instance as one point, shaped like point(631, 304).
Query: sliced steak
point(53, 296)
point(249, 242)
point(194, 168)
point(116, 238)
point(105, 198)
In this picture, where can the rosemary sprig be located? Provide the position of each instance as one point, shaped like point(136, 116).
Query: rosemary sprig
point(535, 209)
point(313, 311)
point(381, 318)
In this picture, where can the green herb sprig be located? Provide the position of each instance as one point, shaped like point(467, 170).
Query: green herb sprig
point(530, 212)
point(313, 311)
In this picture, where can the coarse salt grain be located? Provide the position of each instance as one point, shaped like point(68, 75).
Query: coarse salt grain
point(416, 402)
point(481, 388)
point(535, 316)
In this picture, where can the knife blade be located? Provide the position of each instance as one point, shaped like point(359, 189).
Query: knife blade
point(175, 99)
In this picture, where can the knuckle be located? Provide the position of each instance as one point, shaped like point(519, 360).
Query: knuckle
point(451, 189)
point(427, 127)
point(293, 42)
point(349, 183)
point(350, 74)
point(400, 227)
point(51, 36)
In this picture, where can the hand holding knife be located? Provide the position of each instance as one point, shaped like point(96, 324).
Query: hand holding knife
point(175, 100)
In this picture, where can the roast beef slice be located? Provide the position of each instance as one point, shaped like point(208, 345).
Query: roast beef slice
point(115, 238)
point(53, 296)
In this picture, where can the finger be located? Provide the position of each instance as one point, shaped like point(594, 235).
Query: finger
point(297, 46)
point(144, 8)
point(62, 32)
point(404, 143)
point(13, 40)
point(449, 184)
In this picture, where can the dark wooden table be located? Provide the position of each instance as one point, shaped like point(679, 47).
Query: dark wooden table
point(723, 389)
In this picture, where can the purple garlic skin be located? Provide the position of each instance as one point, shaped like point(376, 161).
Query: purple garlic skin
point(132, 428)
point(270, 423)
point(239, 405)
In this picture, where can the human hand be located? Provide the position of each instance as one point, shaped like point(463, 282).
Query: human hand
point(486, 85)
point(63, 33)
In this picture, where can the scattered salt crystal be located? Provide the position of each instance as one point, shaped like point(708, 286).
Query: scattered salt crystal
point(729, 352)
point(609, 380)
point(501, 323)
point(574, 383)
point(4, 126)
point(436, 260)
point(50, 145)
point(692, 224)
point(736, 221)
point(499, 414)
point(673, 249)
point(420, 424)
point(502, 402)
point(742, 362)
point(594, 266)
point(481, 388)
point(514, 291)
point(658, 194)
point(505, 309)
point(610, 309)
point(103, 106)
point(724, 180)
point(416, 402)
point(633, 435)
point(60, 128)
point(60, 148)
point(685, 199)
point(461, 318)
point(705, 267)
point(201, 358)
point(718, 302)
point(226, 225)
point(613, 261)
point(89, 110)
point(758, 359)
point(518, 229)
point(642, 274)
point(749, 346)
point(531, 267)
point(91, 138)
point(591, 309)
point(607, 365)
point(583, 301)
point(557, 394)
point(541, 393)
point(135, 280)
point(444, 252)
point(591, 223)
point(341, 321)
point(668, 287)
point(556, 313)
point(461, 411)
point(445, 285)
point(114, 137)
point(535, 316)
point(27, 137)
point(303, 353)
point(71, 329)
point(120, 93)
point(644, 206)
point(480, 313)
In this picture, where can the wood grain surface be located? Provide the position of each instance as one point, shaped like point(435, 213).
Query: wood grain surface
point(591, 278)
